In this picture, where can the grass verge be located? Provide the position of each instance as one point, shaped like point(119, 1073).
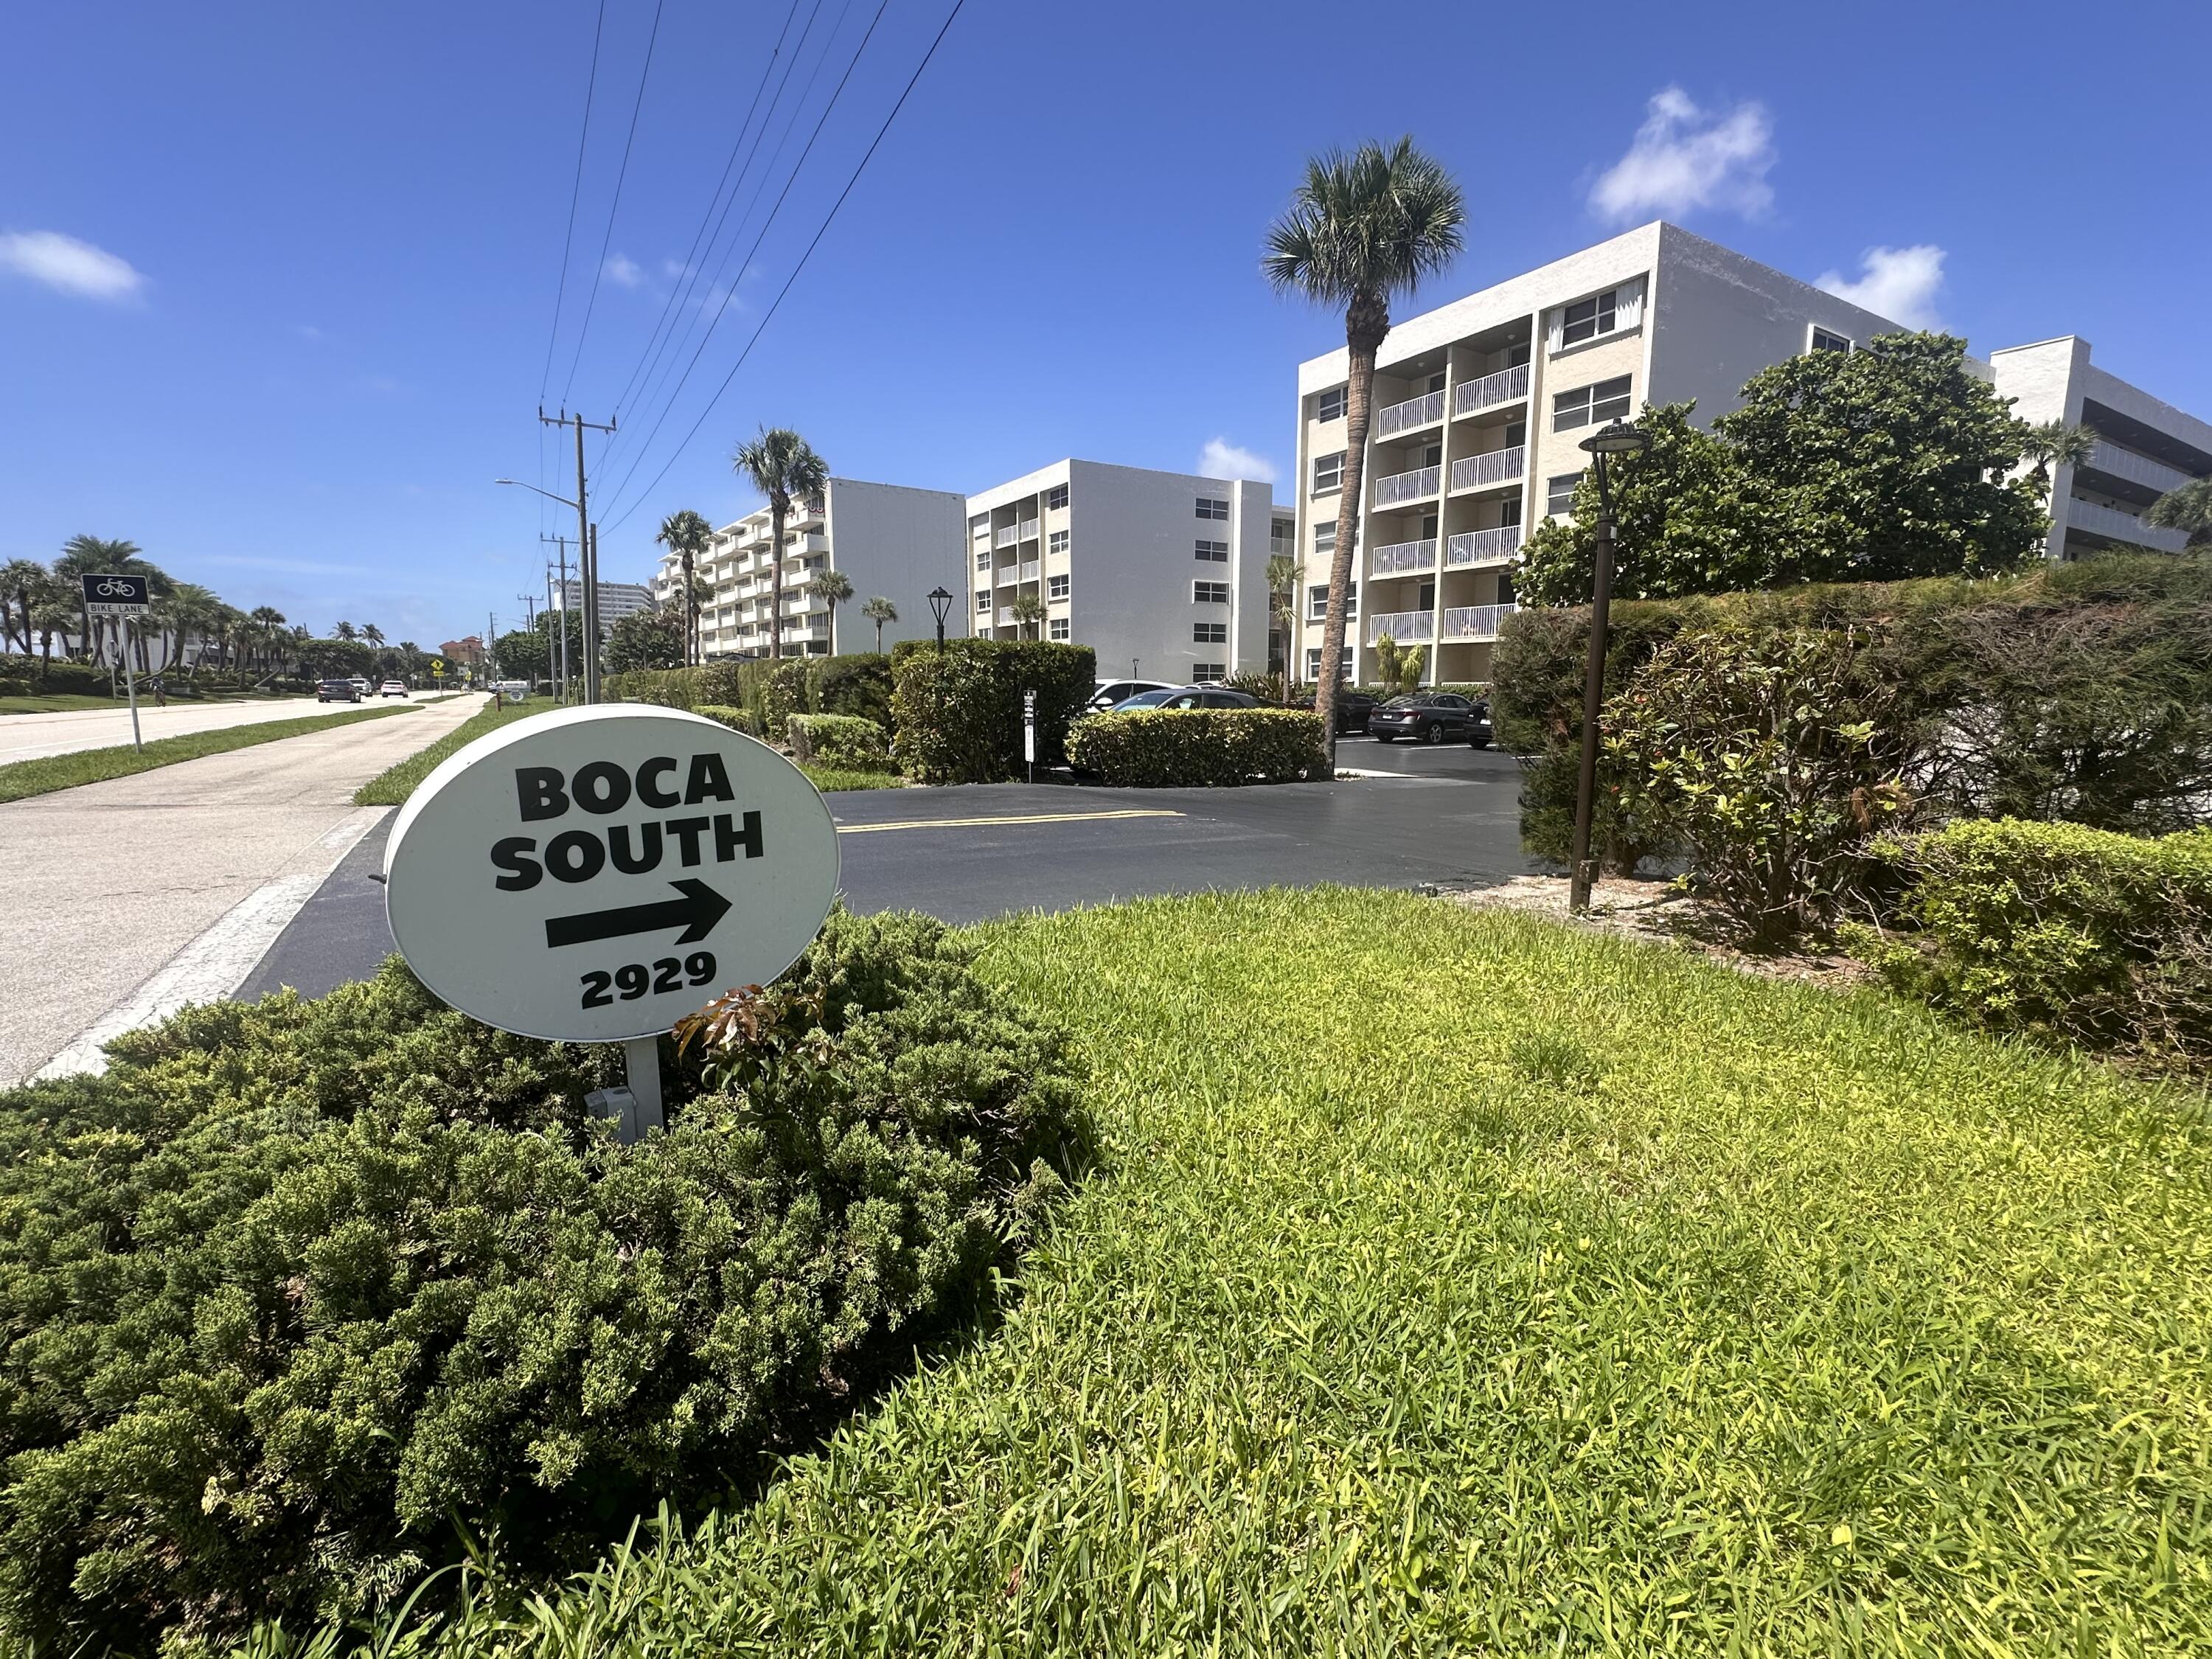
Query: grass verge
point(1465, 1285)
point(827, 778)
point(391, 787)
point(21, 779)
point(74, 702)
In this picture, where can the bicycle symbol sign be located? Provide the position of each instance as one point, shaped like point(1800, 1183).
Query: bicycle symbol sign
point(107, 594)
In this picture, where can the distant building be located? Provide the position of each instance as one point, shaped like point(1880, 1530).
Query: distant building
point(617, 599)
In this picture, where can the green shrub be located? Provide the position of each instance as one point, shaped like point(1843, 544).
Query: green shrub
point(62, 677)
point(1156, 748)
point(736, 719)
point(957, 719)
point(783, 692)
point(13, 688)
point(858, 685)
point(671, 688)
point(720, 684)
point(840, 742)
point(298, 1293)
point(1267, 687)
point(2059, 931)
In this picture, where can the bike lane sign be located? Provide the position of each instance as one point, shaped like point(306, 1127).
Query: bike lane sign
point(593, 875)
point(115, 595)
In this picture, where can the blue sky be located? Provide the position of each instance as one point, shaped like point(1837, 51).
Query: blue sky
point(277, 282)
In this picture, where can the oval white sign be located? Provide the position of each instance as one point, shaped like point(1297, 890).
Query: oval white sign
point(591, 875)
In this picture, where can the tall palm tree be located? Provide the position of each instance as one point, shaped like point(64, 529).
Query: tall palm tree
point(19, 580)
point(780, 464)
point(2188, 508)
point(373, 635)
point(267, 620)
point(189, 609)
point(1029, 611)
point(83, 555)
point(2055, 444)
point(688, 535)
point(1283, 575)
point(833, 587)
point(54, 607)
point(1361, 228)
point(345, 630)
point(880, 610)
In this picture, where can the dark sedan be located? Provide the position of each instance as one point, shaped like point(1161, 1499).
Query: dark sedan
point(1352, 708)
point(1431, 717)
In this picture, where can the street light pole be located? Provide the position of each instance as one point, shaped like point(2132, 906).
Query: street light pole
point(1616, 439)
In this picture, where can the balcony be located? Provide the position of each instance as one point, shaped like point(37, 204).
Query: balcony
point(1004, 537)
point(1471, 548)
point(1406, 627)
point(2117, 463)
point(1473, 397)
point(1402, 487)
point(1475, 622)
point(2115, 526)
point(1028, 527)
point(1411, 416)
point(1400, 558)
point(1496, 466)
point(1029, 569)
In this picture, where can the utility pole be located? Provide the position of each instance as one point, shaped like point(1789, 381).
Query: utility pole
point(529, 609)
point(491, 633)
point(561, 543)
point(587, 561)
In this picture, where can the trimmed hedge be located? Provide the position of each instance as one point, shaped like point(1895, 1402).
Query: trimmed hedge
point(302, 1298)
point(844, 742)
point(1163, 748)
point(737, 719)
point(858, 685)
point(63, 677)
point(958, 718)
point(771, 693)
point(2059, 931)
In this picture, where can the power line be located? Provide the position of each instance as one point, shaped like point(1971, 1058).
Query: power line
point(777, 303)
point(614, 206)
point(575, 190)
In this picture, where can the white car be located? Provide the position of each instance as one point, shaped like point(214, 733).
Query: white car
point(1106, 693)
point(391, 688)
point(360, 685)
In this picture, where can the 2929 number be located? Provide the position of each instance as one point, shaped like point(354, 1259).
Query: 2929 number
point(635, 979)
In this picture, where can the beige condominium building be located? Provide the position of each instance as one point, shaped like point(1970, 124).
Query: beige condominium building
point(2144, 447)
point(888, 540)
point(1479, 406)
point(1163, 575)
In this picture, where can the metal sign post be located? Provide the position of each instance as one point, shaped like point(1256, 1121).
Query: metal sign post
point(123, 598)
point(1029, 732)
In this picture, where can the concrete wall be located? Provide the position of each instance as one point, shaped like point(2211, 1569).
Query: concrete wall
point(897, 542)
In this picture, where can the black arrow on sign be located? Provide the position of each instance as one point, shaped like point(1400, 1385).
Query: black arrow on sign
point(696, 913)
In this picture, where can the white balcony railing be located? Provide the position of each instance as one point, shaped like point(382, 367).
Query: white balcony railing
point(1475, 622)
point(1008, 575)
point(1401, 557)
point(1473, 397)
point(1004, 537)
point(1495, 466)
point(2120, 463)
point(1411, 416)
point(1474, 547)
point(1029, 571)
point(1406, 627)
point(1028, 530)
point(2120, 526)
point(1401, 487)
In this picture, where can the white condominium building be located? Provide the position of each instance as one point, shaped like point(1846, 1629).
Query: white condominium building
point(1479, 405)
point(617, 599)
point(889, 541)
point(1163, 575)
point(2144, 447)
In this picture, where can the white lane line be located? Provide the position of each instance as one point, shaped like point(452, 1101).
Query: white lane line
point(217, 963)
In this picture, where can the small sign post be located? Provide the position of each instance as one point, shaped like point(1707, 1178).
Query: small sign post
point(123, 598)
point(594, 874)
point(1029, 732)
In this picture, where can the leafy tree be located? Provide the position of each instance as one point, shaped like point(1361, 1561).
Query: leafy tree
point(530, 652)
point(1029, 611)
point(1399, 666)
point(2055, 444)
point(644, 639)
point(688, 535)
point(781, 465)
point(1284, 575)
point(2189, 507)
point(880, 610)
point(833, 588)
point(1361, 228)
point(326, 660)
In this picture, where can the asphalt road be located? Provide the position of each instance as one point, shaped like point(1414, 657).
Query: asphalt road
point(127, 897)
point(967, 854)
point(33, 737)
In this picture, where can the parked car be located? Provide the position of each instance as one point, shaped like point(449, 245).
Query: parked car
point(1209, 697)
point(514, 690)
point(391, 688)
point(1110, 692)
point(337, 691)
point(1352, 708)
point(1431, 717)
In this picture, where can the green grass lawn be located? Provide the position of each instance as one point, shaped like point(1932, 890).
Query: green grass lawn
point(1458, 1284)
point(391, 787)
point(73, 702)
point(19, 778)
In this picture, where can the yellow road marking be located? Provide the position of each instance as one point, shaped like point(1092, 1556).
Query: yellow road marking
point(1027, 817)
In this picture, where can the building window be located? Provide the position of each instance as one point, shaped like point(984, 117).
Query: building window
point(1825, 340)
point(1212, 506)
point(1057, 496)
point(983, 600)
point(1317, 602)
point(1209, 632)
point(1202, 672)
point(980, 525)
point(1313, 664)
point(1216, 552)
point(982, 558)
point(1559, 494)
point(1209, 592)
point(1283, 536)
point(1329, 406)
point(1055, 588)
point(1586, 320)
point(1057, 629)
point(1057, 541)
point(1325, 539)
point(1328, 473)
point(1590, 406)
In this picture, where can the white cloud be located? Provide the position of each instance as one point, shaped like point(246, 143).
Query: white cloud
point(1222, 460)
point(624, 270)
point(1686, 158)
point(69, 266)
point(307, 331)
point(1896, 283)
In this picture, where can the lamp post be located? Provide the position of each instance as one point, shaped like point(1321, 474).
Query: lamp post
point(587, 573)
point(940, 603)
point(1616, 439)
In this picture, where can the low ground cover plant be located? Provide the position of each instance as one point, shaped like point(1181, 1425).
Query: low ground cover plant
point(846, 742)
point(303, 1299)
point(1157, 748)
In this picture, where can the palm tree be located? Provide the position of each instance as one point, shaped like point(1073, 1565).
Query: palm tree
point(880, 610)
point(2188, 508)
point(1028, 611)
point(373, 635)
point(834, 587)
point(780, 464)
point(1283, 575)
point(19, 580)
point(83, 555)
point(267, 620)
point(53, 608)
point(2055, 444)
point(1361, 228)
point(687, 534)
point(345, 630)
point(189, 609)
